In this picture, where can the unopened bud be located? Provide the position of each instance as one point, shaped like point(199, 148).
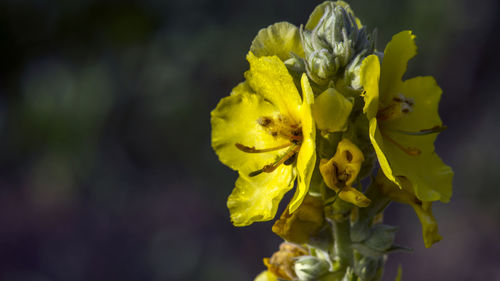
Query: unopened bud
point(381, 238)
point(331, 111)
point(366, 268)
point(332, 38)
point(309, 268)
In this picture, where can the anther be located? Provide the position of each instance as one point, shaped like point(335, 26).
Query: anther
point(282, 160)
point(290, 160)
point(264, 121)
point(399, 107)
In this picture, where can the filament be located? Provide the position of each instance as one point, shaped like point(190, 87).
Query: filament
point(408, 150)
point(252, 149)
point(271, 167)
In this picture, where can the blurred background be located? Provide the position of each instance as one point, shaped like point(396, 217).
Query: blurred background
point(106, 169)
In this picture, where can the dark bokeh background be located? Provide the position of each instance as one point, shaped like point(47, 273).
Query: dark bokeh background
point(106, 170)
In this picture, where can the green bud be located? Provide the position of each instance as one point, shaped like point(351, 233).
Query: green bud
point(351, 75)
point(366, 251)
point(359, 232)
point(366, 268)
point(309, 268)
point(381, 238)
point(295, 63)
point(332, 41)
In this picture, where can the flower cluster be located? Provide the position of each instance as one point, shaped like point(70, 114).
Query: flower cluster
point(322, 110)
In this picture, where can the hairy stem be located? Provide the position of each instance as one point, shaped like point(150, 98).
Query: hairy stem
point(342, 243)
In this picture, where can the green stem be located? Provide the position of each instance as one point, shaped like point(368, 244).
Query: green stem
point(342, 243)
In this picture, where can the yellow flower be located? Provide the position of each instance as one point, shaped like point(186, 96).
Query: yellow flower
point(404, 121)
point(423, 209)
point(265, 131)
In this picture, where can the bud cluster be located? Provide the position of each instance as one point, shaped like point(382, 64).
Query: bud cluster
point(336, 45)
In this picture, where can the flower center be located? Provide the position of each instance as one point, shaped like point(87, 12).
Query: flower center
point(399, 107)
point(277, 126)
point(280, 126)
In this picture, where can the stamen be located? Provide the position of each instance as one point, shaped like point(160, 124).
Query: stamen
point(252, 149)
point(271, 167)
point(423, 132)
point(408, 150)
point(290, 160)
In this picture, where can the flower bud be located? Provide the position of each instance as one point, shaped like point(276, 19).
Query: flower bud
point(366, 268)
point(309, 268)
point(331, 111)
point(332, 40)
point(381, 238)
point(352, 72)
point(295, 63)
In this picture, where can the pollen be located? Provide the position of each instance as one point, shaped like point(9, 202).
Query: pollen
point(281, 126)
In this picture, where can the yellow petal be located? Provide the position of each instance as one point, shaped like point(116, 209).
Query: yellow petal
point(424, 115)
point(278, 39)
point(307, 154)
point(257, 198)
point(354, 196)
point(431, 179)
point(397, 53)
point(422, 209)
point(429, 224)
point(425, 174)
point(266, 276)
point(370, 75)
point(307, 220)
point(269, 77)
point(329, 174)
point(378, 144)
point(331, 111)
point(234, 120)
